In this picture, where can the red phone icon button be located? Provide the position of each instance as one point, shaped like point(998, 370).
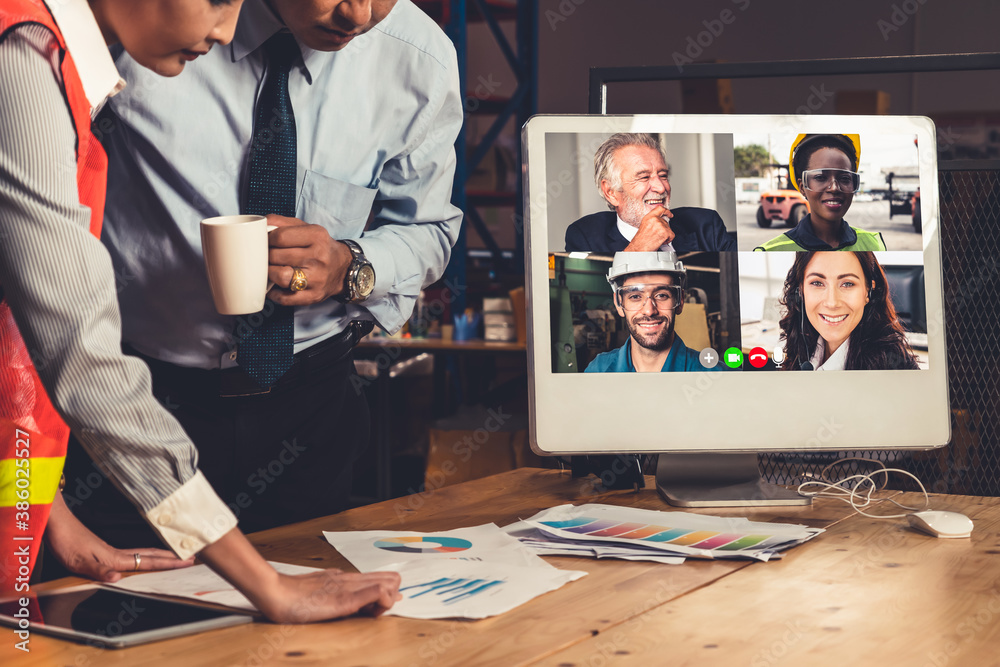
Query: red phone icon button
point(758, 357)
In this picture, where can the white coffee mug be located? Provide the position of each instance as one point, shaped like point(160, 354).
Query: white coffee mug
point(235, 249)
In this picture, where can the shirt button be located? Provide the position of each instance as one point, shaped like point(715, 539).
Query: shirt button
point(165, 519)
point(187, 544)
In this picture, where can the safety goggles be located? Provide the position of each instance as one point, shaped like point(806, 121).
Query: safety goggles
point(819, 180)
point(664, 297)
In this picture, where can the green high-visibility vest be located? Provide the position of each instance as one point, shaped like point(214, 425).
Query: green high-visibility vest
point(866, 241)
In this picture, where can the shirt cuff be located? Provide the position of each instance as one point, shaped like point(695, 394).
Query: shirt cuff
point(192, 517)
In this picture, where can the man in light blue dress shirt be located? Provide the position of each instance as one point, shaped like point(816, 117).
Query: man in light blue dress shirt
point(377, 109)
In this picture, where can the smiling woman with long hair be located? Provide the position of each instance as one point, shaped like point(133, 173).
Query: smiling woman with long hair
point(839, 315)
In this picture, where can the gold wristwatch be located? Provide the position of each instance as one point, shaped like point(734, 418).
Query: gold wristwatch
point(360, 279)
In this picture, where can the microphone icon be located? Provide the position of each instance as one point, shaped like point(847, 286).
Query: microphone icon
point(778, 355)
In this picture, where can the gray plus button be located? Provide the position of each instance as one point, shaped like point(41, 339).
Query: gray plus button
point(708, 357)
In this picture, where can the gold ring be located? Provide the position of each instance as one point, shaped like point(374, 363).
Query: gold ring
point(138, 560)
point(299, 281)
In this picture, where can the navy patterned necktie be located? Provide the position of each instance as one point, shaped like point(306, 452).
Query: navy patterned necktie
point(265, 353)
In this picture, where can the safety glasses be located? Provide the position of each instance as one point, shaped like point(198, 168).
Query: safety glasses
point(664, 297)
point(819, 180)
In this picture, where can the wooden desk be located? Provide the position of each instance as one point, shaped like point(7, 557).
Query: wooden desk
point(865, 592)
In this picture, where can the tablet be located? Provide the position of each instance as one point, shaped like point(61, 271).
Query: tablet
point(110, 618)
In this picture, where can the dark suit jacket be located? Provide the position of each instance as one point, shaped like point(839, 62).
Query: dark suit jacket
point(695, 229)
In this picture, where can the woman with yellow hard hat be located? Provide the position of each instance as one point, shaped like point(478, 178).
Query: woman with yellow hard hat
point(824, 168)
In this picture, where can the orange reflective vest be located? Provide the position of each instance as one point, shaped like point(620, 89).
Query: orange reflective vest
point(32, 435)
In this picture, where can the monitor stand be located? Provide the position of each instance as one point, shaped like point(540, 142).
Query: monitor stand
point(718, 480)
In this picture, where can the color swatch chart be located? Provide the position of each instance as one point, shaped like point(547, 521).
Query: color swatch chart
point(677, 533)
point(696, 539)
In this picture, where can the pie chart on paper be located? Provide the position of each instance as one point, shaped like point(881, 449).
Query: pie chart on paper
point(412, 545)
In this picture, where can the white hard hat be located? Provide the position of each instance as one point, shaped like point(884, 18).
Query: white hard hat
point(628, 263)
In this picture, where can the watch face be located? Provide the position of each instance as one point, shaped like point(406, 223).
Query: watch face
point(365, 280)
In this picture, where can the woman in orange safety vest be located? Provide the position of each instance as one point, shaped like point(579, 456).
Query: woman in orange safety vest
point(70, 38)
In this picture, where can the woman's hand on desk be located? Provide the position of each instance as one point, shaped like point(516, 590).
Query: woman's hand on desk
point(85, 554)
point(318, 596)
point(303, 598)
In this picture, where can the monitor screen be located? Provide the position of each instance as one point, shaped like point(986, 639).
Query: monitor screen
point(693, 281)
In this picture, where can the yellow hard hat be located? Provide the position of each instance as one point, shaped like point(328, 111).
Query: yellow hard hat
point(855, 140)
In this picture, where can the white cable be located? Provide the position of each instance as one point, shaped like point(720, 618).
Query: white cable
point(835, 490)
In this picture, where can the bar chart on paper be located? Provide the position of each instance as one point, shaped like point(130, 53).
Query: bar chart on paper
point(471, 589)
point(450, 590)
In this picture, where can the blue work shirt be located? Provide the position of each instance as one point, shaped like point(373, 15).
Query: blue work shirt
point(376, 124)
point(680, 358)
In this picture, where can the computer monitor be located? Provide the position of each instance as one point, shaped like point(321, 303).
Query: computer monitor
point(743, 241)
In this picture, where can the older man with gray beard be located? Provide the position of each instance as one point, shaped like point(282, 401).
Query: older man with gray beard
point(632, 175)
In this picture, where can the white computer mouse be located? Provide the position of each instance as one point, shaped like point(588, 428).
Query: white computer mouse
point(941, 524)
